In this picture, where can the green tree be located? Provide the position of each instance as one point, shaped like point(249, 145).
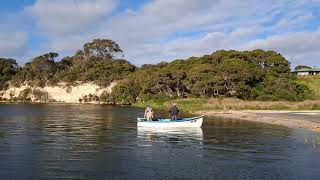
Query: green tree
point(40, 71)
point(102, 48)
point(302, 67)
point(8, 68)
point(257, 74)
point(125, 92)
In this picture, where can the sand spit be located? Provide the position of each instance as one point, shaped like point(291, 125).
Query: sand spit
point(294, 119)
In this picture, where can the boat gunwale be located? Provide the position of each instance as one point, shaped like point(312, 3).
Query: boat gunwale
point(174, 121)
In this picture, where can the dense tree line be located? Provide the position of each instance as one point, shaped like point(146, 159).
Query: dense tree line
point(94, 63)
point(251, 75)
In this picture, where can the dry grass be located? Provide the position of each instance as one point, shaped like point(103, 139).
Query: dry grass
point(207, 104)
point(237, 104)
point(313, 82)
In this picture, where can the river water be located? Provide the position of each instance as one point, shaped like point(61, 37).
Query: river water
point(103, 142)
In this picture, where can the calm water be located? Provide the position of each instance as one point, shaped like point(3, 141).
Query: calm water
point(103, 142)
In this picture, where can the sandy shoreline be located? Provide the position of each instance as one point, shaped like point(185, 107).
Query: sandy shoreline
point(309, 120)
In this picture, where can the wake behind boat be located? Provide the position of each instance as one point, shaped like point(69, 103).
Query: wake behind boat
point(183, 122)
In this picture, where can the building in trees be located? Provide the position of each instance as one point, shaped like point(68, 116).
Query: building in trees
point(307, 71)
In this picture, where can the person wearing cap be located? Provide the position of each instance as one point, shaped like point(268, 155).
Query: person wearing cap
point(148, 113)
point(174, 112)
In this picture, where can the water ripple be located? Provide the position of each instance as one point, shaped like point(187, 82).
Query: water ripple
point(103, 142)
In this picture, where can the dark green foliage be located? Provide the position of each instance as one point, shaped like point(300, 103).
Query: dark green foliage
point(89, 98)
point(101, 71)
point(302, 67)
point(247, 75)
point(283, 89)
point(23, 96)
point(250, 75)
point(39, 72)
point(105, 97)
point(101, 48)
point(8, 67)
point(125, 92)
point(40, 95)
point(94, 63)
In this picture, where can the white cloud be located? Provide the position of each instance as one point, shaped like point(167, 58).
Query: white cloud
point(166, 29)
point(70, 43)
point(61, 17)
point(299, 47)
point(164, 17)
point(293, 20)
point(13, 44)
point(224, 25)
point(246, 31)
point(143, 33)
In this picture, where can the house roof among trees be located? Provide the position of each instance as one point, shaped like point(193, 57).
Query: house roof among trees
point(308, 70)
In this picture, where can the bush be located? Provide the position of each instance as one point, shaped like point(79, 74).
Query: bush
point(106, 98)
point(284, 89)
point(24, 95)
point(40, 95)
point(8, 68)
point(125, 92)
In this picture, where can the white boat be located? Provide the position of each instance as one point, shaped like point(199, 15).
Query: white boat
point(167, 123)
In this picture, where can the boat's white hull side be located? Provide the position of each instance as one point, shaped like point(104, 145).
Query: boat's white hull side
point(194, 123)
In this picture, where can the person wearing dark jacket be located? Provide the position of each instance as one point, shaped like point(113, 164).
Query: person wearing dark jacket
point(174, 112)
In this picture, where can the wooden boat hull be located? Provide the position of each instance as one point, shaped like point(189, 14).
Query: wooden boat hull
point(167, 123)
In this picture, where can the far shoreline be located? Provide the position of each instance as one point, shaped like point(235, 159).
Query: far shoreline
point(275, 117)
point(258, 116)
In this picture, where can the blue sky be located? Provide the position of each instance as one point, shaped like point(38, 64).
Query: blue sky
point(150, 31)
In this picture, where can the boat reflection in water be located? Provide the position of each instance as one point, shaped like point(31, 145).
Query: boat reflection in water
point(170, 135)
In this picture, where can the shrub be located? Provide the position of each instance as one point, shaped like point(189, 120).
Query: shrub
point(106, 98)
point(125, 92)
point(24, 94)
point(8, 68)
point(40, 95)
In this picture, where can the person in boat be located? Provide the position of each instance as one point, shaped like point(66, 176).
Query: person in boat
point(148, 113)
point(174, 112)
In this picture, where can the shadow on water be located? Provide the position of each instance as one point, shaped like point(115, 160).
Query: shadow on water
point(96, 141)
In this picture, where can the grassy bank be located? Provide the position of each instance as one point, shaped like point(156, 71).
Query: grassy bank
point(313, 82)
point(218, 104)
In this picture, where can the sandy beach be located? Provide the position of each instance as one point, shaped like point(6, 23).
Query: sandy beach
point(309, 120)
